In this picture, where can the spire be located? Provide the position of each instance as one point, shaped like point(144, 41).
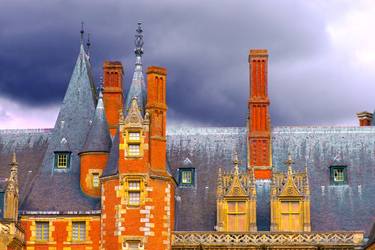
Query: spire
point(82, 31)
point(137, 87)
point(98, 138)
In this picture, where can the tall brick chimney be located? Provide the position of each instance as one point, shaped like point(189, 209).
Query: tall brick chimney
point(259, 148)
point(364, 118)
point(112, 93)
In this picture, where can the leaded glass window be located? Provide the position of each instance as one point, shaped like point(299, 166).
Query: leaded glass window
point(134, 193)
point(79, 231)
point(62, 160)
point(42, 231)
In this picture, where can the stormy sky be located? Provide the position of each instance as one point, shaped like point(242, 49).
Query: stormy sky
point(321, 67)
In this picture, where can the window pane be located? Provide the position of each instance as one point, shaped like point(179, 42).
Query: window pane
point(134, 149)
point(95, 180)
point(134, 198)
point(134, 185)
point(134, 136)
point(62, 160)
point(79, 231)
point(186, 177)
point(42, 231)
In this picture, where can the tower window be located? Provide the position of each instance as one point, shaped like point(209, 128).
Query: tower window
point(95, 180)
point(42, 231)
point(62, 160)
point(134, 136)
point(186, 176)
point(338, 175)
point(134, 193)
point(79, 231)
point(134, 149)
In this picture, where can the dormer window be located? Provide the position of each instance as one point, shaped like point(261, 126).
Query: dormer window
point(62, 160)
point(186, 177)
point(338, 175)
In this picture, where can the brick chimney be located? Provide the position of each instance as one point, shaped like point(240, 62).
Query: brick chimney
point(364, 118)
point(112, 93)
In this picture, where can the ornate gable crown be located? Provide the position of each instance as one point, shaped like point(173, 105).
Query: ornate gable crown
point(235, 183)
point(292, 183)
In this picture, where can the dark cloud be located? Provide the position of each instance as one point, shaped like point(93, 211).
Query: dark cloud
point(204, 45)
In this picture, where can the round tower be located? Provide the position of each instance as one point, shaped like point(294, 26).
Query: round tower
point(94, 155)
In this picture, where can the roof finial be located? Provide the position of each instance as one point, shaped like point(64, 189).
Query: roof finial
point(289, 163)
point(82, 32)
point(88, 44)
point(139, 40)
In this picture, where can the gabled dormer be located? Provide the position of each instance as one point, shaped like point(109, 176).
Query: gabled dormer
point(236, 200)
point(290, 200)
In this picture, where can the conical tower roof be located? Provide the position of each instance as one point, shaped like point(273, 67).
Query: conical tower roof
point(69, 134)
point(137, 87)
point(98, 138)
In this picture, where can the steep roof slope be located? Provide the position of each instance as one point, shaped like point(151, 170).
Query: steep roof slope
point(59, 189)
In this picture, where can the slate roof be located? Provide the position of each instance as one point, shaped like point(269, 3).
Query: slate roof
point(59, 190)
point(98, 138)
point(348, 207)
point(112, 164)
point(30, 146)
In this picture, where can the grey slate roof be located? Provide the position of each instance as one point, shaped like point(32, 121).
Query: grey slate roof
point(30, 146)
point(98, 138)
point(112, 164)
point(59, 190)
point(137, 88)
point(348, 207)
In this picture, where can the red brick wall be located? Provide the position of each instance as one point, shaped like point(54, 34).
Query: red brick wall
point(91, 161)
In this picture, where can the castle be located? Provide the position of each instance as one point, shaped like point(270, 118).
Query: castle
point(110, 175)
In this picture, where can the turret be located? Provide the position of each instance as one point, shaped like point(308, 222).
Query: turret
point(94, 155)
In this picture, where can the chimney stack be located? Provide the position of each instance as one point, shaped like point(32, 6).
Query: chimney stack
point(364, 118)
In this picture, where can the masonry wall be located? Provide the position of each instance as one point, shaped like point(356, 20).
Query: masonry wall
point(60, 233)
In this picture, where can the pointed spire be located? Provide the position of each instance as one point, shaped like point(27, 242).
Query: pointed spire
point(82, 31)
point(137, 87)
point(98, 138)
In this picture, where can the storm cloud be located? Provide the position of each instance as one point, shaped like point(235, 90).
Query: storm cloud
point(321, 67)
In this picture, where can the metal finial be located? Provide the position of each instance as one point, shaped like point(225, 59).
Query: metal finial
point(88, 44)
point(82, 32)
point(139, 40)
